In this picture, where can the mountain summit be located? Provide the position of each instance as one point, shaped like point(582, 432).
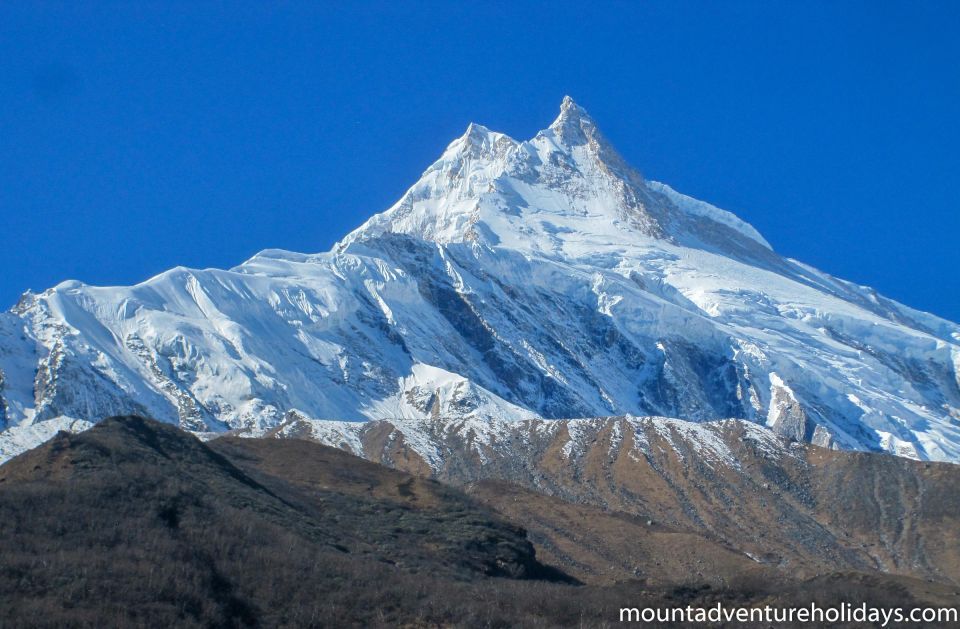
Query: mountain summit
point(516, 279)
point(565, 190)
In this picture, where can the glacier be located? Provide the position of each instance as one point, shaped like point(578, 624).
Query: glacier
point(516, 280)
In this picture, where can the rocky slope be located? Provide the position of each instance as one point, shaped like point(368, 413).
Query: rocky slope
point(793, 507)
point(516, 279)
point(138, 524)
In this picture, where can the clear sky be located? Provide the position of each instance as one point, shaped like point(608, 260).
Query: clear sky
point(140, 136)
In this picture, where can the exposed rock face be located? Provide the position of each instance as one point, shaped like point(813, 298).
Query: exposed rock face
point(3, 404)
point(795, 507)
point(786, 416)
point(542, 278)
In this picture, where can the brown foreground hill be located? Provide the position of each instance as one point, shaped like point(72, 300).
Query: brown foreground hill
point(135, 523)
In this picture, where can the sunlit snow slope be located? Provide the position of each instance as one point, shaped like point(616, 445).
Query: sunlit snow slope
point(543, 278)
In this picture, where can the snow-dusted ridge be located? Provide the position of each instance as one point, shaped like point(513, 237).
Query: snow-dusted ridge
point(515, 280)
point(432, 438)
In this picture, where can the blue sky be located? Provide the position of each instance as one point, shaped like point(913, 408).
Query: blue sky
point(140, 136)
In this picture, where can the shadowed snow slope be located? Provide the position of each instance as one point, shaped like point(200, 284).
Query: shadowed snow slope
point(515, 280)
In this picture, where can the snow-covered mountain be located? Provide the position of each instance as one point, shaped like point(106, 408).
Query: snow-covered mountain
point(544, 278)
